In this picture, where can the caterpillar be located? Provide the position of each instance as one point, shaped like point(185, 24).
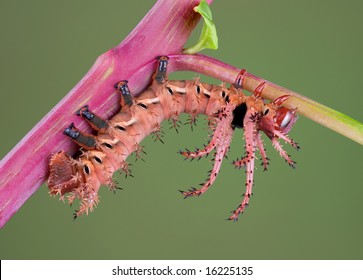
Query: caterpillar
point(226, 108)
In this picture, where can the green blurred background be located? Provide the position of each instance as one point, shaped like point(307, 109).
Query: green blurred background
point(313, 212)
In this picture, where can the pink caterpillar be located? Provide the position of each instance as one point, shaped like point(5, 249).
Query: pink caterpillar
point(226, 108)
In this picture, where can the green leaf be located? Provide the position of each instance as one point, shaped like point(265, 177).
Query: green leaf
point(208, 38)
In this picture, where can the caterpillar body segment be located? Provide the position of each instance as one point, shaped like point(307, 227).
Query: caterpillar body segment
point(226, 108)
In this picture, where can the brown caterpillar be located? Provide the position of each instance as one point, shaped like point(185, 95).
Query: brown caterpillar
point(117, 138)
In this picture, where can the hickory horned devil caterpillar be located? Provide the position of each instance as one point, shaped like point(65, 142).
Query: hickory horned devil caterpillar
point(227, 109)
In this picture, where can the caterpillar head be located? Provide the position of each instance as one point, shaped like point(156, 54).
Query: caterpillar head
point(276, 117)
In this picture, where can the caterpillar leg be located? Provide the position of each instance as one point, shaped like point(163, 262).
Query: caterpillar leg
point(219, 155)
point(85, 140)
point(93, 120)
point(198, 153)
point(220, 142)
point(250, 133)
point(161, 73)
point(246, 196)
point(126, 98)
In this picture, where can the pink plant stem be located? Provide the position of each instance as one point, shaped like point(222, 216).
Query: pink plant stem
point(163, 30)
